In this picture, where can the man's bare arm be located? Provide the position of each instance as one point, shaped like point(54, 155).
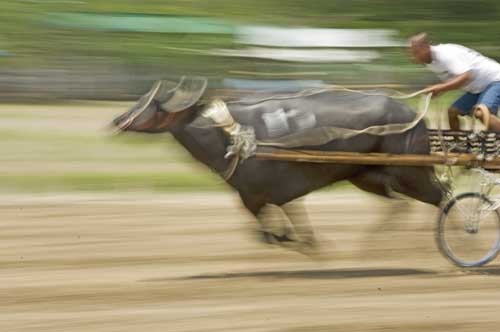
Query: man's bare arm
point(452, 84)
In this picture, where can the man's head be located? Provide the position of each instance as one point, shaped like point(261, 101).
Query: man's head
point(420, 48)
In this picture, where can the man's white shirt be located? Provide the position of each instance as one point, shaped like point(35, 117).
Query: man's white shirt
point(450, 60)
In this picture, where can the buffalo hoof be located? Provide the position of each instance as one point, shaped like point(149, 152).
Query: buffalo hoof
point(310, 247)
point(271, 238)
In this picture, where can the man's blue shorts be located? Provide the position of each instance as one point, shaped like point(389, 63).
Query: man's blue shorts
point(489, 97)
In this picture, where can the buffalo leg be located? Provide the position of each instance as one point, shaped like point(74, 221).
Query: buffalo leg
point(297, 215)
point(419, 183)
point(255, 206)
point(286, 225)
point(273, 225)
point(377, 182)
point(372, 181)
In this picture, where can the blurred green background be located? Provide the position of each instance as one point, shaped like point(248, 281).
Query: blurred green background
point(93, 41)
point(55, 51)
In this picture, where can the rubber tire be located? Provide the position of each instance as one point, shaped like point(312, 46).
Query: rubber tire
point(439, 234)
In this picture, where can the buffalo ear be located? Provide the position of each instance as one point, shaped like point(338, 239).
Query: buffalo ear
point(187, 93)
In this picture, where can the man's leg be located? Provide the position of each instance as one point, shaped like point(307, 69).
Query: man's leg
point(487, 107)
point(494, 124)
point(490, 121)
point(453, 114)
point(462, 106)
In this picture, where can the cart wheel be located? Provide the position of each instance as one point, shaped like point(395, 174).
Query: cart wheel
point(468, 230)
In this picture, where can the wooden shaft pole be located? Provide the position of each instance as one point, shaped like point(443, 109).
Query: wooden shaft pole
point(355, 158)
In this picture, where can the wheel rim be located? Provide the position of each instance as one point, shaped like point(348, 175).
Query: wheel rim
point(469, 232)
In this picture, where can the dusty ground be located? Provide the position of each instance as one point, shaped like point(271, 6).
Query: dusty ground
point(189, 263)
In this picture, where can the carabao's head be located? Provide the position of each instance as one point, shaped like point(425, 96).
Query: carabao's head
point(156, 110)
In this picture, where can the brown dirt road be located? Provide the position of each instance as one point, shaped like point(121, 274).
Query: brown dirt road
point(189, 263)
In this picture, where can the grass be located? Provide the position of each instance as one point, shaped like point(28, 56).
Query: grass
point(58, 148)
point(111, 182)
point(64, 148)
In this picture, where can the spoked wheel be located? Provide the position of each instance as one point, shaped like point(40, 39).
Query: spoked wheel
point(468, 230)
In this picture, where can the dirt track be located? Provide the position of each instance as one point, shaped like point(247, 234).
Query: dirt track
point(190, 263)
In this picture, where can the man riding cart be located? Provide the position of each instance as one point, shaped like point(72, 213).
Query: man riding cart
point(460, 67)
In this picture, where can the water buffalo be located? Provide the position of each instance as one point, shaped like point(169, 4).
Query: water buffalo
point(265, 182)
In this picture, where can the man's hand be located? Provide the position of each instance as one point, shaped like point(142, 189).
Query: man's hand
point(452, 84)
point(435, 89)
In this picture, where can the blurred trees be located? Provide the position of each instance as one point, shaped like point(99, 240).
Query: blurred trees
point(34, 41)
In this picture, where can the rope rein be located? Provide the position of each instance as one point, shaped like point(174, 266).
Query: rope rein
point(219, 113)
point(314, 91)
